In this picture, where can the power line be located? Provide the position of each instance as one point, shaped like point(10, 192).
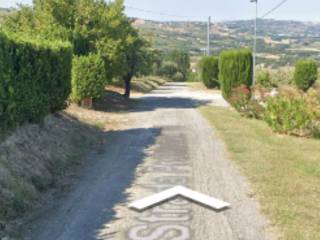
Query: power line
point(160, 13)
point(274, 8)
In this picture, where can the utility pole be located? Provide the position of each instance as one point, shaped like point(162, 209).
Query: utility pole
point(255, 43)
point(209, 26)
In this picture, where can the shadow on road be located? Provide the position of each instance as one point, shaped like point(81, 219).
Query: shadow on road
point(114, 102)
point(159, 98)
point(128, 149)
point(103, 183)
point(150, 103)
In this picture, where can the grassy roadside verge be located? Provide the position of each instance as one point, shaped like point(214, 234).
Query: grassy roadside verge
point(284, 171)
point(37, 157)
point(142, 84)
point(147, 84)
point(39, 161)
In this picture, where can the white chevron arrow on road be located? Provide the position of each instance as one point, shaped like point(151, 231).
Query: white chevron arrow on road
point(158, 198)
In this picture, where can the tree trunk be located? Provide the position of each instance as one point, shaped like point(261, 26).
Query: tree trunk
point(127, 83)
point(87, 102)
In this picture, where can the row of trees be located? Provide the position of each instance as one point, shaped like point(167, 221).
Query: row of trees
point(174, 65)
point(234, 67)
point(230, 70)
point(92, 27)
point(291, 109)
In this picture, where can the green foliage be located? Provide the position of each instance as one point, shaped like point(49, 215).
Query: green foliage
point(210, 71)
point(282, 76)
point(241, 100)
point(306, 74)
point(156, 60)
point(182, 60)
point(294, 112)
point(88, 77)
point(235, 69)
point(288, 116)
point(168, 69)
point(176, 67)
point(193, 77)
point(178, 77)
point(92, 27)
point(274, 78)
point(264, 79)
point(136, 58)
point(34, 78)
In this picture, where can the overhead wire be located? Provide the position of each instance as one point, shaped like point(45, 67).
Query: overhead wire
point(194, 17)
point(274, 8)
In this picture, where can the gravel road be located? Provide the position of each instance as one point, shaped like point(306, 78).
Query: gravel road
point(169, 143)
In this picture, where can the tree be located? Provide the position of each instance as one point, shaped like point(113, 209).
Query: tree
point(210, 71)
point(93, 27)
point(82, 22)
point(235, 69)
point(137, 59)
point(20, 21)
point(182, 59)
point(305, 74)
point(168, 69)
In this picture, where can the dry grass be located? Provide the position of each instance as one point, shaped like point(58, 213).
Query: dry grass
point(284, 171)
point(140, 85)
point(199, 86)
point(147, 84)
point(34, 157)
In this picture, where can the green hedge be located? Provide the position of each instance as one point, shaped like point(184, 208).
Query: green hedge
point(35, 78)
point(88, 77)
point(210, 71)
point(235, 69)
point(306, 74)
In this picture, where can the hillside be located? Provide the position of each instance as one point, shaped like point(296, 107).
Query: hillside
point(4, 12)
point(279, 42)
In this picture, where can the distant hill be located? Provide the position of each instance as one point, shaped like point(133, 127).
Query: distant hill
point(279, 42)
point(4, 12)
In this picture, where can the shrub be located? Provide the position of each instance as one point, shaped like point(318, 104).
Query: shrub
point(210, 72)
point(88, 77)
point(235, 69)
point(306, 74)
point(289, 113)
point(182, 61)
point(178, 77)
point(264, 79)
point(35, 78)
point(313, 101)
point(241, 100)
point(193, 77)
point(282, 76)
point(168, 69)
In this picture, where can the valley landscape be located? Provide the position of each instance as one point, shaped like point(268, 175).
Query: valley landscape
point(279, 42)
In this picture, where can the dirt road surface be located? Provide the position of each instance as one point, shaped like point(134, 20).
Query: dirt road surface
point(168, 143)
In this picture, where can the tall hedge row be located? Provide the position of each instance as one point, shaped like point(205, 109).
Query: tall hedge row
point(306, 73)
point(35, 78)
point(236, 68)
point(209, 67)
point(88, 77)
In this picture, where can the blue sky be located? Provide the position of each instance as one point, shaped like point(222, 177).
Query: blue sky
point(308, 10)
